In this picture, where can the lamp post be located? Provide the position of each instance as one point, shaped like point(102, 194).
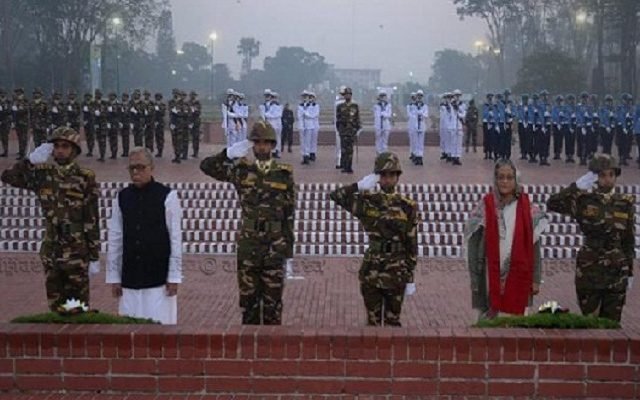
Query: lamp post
point(212, 38)
point(116, 23)
point(479, 45)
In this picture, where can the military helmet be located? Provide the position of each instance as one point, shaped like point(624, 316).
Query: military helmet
point(71, 92)
point(507, 92)
point(584, 95)
point(125, 95)
point(608, 98)
point(158, 95)
point(489, 95)
point(67, 134)
point(544, 92)
point(193, 93)
point(525, 96)
point(387, 162)
point(98, 92)
point(37, 91)
point(499, 96)
point(56, 95)
point(87, 96)
point(559, 98)
point(601, 162)
point(571, 96)
point(113, 95)
point(347, 90)
point(535, 96)
point(146, 93)
point(262, 130)
point(2, 92)
point(18, 90)
point(594, 97)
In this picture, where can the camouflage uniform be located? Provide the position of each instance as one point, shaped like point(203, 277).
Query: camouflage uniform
point(148, 125)
point(267, 197)
point(56, 112)
point(39, 116)
point(20, 109)
point(180, 115)
point(72, 111)
point(605, 260)
point(171, 104)
point(87, 123)
point(136, 112)
point(347, 125)
point(160, 110)
point(99, 114)
point(5, 122)
point(391, 221)
point(114, 111)
point(68, 196)
point(194, 126)
point(126, 123)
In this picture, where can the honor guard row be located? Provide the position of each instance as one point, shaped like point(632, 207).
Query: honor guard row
point(103, 120)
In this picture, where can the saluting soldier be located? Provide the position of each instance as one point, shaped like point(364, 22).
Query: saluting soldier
point(604, 265)
point(265, 244)
point(68, 196)
point(348, 126)
point(391, 221)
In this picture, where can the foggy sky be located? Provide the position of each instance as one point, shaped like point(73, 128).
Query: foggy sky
point(397, 36)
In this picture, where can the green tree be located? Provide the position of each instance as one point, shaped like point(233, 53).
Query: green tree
point(165, 46)
point(453, 69)
point(293, 69)
point(550, 69)
point(248, 48)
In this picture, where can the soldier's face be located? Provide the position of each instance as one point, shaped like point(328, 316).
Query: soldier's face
point(140, 169)
point(262, 149)
point(506, 180)
point(63, 152)
point(388, 181)
point(347, 96)
point(607, 180)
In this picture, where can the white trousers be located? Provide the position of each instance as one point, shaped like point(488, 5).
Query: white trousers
point(444, 136)
point(382, 140)
point(149, 303)
point(314, 141)
point(418, 144)
point(338, 151)
point(231, 136)
point(455, 145)
point(306, 136)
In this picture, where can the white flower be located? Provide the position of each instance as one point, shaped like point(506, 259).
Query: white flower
point(72, 304)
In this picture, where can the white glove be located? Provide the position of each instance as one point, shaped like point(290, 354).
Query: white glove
point(14, 108)
point(110, 109)
point(608, 130)
point(69, 108)
point(54, 110)
point(131, 126)
point(629, 282)
point(490, 126)
point(41, 153)
point(586, 181)
point(174, 110)
point(94, 267)
point(97, 113)
point(368, 182)
point(583, 131)
point(108, 125)
point(190, 126)
point(288, 270)
point(157, 108)
point(239, 149)
point(410, 289)
point(133, 110)
point(172, 127)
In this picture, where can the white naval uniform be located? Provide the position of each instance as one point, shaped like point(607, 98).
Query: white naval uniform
point(411, 126)
point(314, 114)
point(231, 129)
point(382, 124)
point(338, 149)
point(153, 302)
point(421, 115)
point(273, 115)
point(304, 129)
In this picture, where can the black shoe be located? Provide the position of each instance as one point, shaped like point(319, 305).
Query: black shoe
point(276, 154)
point(556, 157)
point(544, 161)
point(305, 160)
point(289, 149)
point(89, 154)
point(20, 157)
point(338, 167)
point(347, 171)
point(4, 154)
point(475, 149)
point(583, 161)
point(456, 161)
point(533, 160)
point(113, 157)
point(194, 155)
point(184, 156)
point(420, 162)
point(123, 155)
point(158, 155)
point(411, 157)
point(523, 157)
point(312, 156)
point(443, 156)
point(176, 160)
point(569, 160)
point(101, 159)
point(486, 156)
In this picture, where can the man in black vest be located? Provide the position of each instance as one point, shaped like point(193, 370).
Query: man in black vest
point(145, 244)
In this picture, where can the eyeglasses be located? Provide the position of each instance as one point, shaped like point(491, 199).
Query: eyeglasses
point(505, 177)
point(137, 167)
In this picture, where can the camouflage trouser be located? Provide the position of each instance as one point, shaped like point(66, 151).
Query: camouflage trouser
point(125, 133)
point(113, 140)
point(149, 132)
point(101, 137)
point(602, 303)
point(90, 136)
point(346, 151)
point(138, 132)
point(159, 132)
point(177, 140)
point(260, 284)
point(65, 280)
point(39, 136)
point(376, 299)
point(4, 136)
point(195, 139)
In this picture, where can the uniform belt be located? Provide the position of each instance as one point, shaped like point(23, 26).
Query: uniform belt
point(261, 225)
point(383, 246)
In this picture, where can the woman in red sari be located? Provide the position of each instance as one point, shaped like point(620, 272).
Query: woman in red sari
point(503, 248)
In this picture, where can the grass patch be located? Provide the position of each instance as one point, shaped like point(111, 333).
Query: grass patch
point(91, 317)
point(552, 321)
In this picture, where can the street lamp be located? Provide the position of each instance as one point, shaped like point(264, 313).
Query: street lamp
point(116, 21)
point(212, 37)
point(581, 17)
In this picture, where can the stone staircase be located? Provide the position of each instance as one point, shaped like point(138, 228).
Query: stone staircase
point(212, 216)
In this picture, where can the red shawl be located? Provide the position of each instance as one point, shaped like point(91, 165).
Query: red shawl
point(517, 288)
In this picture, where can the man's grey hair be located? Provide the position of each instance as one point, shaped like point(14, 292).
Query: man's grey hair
point(142, 150)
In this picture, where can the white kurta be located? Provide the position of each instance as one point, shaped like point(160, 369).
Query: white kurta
point(153, 302)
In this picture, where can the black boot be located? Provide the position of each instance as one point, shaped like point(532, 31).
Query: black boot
point(456, 161)
point(305, 160)
point(312, 156)
point(443, 156)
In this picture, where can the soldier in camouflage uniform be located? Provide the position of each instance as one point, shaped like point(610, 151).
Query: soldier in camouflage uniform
point(194, 126)
point(5, 122)
point(180, 115)
point(99, 113)
point(56, 112)
point(265, 244)
point(604, 266)
point(39, 116)
point(20, 109)
point(68, 196)
point(72, 111)
point(160, 110)
point(136, 113)
point(87, 123)
point(148, 113)
point(347, 125)
point(171, 104)
point(391, 221)
point(114, 111)
point(126, 123)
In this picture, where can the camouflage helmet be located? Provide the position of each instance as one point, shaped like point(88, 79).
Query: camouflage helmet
point(97, 92)
point(608, 98)
point(158, 95)
point(146, 93)
point(544, 92)
point(559, 98)
point(71, 92)
point(584, 95)
point(262, 131)
point(571, 96)
point(87, 96)
point(67, 134)
point(37, 91)
point(347, 90)
point(601, 162)
point(387, 162)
